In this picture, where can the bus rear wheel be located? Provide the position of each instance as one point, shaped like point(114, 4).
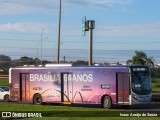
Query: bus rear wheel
point(106, 102)
point(37, 99)
point(6, 98)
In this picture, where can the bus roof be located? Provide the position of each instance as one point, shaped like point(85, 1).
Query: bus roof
point(70, 65)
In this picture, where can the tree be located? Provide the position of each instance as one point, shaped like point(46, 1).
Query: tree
point(5, 62)
point(38, 61)
point(141, 58)
point(150, 61)
point(80, 62)
point(27, 60)
point(24, 61)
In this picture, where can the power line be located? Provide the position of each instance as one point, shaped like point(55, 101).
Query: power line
point(11, 39)
point(66, 49)
point(109, 42)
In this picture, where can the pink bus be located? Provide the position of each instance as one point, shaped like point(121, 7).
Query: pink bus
point(104, 85)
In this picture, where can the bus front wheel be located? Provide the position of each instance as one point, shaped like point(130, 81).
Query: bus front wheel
point(37, 99)
point(106, 102)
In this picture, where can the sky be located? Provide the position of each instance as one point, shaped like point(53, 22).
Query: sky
point(119, 25)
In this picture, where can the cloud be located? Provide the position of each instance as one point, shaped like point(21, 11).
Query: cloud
point(126, 30)
point(150, 29)
point(87, 3)
point(48, 6)
point(25, 27)
point(99, 3)
point(25, 6)
point(147, 30)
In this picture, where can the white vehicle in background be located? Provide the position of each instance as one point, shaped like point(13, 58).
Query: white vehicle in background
point(4, 93)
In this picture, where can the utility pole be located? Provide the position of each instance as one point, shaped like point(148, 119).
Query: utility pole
point(88, 25)
point(64, 59)
point(59, 33)
point(41, 44)
point(91, 25)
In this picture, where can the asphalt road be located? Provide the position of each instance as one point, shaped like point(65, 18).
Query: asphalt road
point(4, 78)
point(146, 107)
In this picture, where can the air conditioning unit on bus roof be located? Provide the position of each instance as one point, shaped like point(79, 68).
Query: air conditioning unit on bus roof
point(28, 66)
point(58, 65)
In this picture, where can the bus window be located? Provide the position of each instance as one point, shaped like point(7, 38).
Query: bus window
point(141, 83)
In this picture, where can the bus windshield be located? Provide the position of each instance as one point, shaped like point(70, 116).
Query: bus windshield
point(141, 83)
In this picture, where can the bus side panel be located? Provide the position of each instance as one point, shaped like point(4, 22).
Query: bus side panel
point(47, 83)
point(90, 84)
point(81, 85)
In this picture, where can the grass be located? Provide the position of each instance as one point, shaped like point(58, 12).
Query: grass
point(94, 118)
point(4, 82)
point(155, 84)
point(31, 107)
point(155, 87)
point(58, 111)
point(66, 112)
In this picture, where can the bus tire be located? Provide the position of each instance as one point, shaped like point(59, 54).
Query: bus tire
point(37, 99)
point(106, 102)
point(6, 98)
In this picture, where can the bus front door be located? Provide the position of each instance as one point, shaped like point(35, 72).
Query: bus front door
point(123, 88)
point(67, 87)
point(24, 87)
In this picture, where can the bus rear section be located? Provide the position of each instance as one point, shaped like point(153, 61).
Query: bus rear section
point(34, 85)
point(19, 86)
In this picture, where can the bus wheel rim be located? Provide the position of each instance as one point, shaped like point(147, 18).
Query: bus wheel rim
point(106, 102)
